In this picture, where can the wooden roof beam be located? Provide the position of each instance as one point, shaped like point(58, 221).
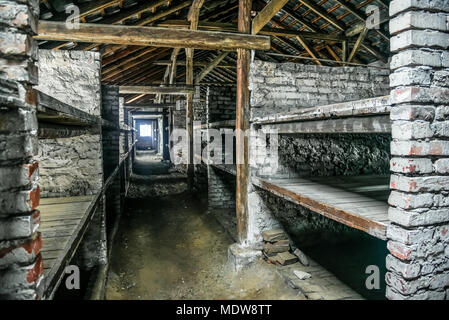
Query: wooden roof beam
point(218, 26)
point(211, 66)
point(268, 12)
point(156, 90)
point(310, 50)
point(301, 20)
point(197, 64)
point(324, 14)
point(151, 36)
point(303, 34)
point(360, 15)
point(357, 44)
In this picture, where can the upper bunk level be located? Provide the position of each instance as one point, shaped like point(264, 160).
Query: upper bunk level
point(295, 98)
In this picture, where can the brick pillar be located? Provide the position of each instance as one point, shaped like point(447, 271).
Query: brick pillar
point(221, 189)
point(112, 107)
point(418, 237)
point(21, 267)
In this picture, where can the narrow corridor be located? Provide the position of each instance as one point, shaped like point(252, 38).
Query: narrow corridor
point(172, 249)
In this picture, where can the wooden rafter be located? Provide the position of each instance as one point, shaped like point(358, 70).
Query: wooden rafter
point(323, 14)
point(266, 14)
point(210, 67)
point(357, 44)
point(310, 50)
point(360, 15)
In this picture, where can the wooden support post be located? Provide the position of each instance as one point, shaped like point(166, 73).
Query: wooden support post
point(189, 118)
point(174, 57)
point(242, 123)
point(344, 51)
point(193, 17)
point(170, 71)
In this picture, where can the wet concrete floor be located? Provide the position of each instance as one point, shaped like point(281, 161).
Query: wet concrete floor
point(169, 247)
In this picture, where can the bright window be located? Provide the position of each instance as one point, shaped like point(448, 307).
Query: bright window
point(145, 130)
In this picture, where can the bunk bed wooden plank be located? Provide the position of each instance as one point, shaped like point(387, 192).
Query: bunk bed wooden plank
point(50, 109)
point(61, 220)
point(77, 199)
point(361, 212)
point(358, 108)
point(372, 124)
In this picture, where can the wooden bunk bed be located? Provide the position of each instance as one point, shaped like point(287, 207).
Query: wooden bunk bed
point(64, 220)
point(360, 202)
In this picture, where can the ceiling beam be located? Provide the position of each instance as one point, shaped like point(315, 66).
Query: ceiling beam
point(156, 90)
point(147, 105)
point(268, 12)
point(229, 27)
point(303, 34)
point(197, 64)
point(151, 36)
point(113, 19)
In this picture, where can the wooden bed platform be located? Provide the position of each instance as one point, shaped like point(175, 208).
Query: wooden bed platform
point(63, 222)
point(359, 202)
point(361, 116)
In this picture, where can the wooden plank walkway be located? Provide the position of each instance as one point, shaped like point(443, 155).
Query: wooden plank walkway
point(359, 202)
point(60, 219)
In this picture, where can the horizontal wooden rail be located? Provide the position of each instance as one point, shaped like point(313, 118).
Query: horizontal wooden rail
point(151, 36)
point(175, 90)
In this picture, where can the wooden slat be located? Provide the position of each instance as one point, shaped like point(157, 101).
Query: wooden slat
point(77, 199)
point(62, 223)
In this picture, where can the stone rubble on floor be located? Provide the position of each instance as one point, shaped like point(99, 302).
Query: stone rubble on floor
point(302, 275)
point(278, 250)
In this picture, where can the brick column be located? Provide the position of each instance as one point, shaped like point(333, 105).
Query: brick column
point(418, 237)
point(21, 267)
point(221, 189)
point(112, 107)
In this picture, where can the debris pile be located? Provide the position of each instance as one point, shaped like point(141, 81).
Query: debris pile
point(276, 247)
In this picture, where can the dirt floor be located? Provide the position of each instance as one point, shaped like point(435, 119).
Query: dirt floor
point(169, 247)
